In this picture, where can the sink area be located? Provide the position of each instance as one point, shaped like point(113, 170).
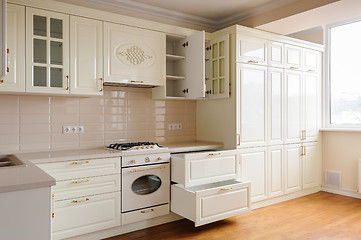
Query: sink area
point(10, 161)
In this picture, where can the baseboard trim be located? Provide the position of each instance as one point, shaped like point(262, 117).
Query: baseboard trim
point(286, 197)
point(343, 192)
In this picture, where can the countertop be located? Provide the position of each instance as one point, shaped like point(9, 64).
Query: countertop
point(28, 177)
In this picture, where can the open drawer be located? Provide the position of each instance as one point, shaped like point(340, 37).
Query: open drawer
point(211, 202)
point(192, 169)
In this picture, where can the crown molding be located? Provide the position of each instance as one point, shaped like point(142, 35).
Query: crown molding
point(188, 18)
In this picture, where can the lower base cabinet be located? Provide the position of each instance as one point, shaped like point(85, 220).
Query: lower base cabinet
point(86, 214)
point(211, 202)
point(144, 214)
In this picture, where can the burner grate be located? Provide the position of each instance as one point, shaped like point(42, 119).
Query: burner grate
point(126, 146)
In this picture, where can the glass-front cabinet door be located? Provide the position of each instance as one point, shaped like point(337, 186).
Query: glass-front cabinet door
point(47, 48)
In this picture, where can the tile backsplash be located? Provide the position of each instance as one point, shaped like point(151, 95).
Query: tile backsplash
point(34, 123)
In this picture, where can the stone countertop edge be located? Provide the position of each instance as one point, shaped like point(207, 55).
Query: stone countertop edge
point(31, 177)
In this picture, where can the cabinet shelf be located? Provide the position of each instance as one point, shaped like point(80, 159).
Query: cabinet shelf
point(174, 58)
point(171, 77)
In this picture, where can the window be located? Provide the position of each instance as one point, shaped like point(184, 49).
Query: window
point(344, 75)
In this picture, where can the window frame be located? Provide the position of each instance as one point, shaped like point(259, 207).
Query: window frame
point(327, 80)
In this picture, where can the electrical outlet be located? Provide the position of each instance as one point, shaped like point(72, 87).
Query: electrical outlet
point(73, 129)
point(176, 126)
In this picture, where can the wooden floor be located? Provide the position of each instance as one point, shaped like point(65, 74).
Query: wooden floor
point(318, 216)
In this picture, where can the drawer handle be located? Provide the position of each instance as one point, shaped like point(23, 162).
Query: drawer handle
point(86, 180)
point(136, 81)
point(252, 61)
point(225, 189)
point(214, 154)
point(159, 158)
point(80, 201)
point(146, 169)
point(147, 211)
point(293, 67)
point(75, 163)
point(310, 70)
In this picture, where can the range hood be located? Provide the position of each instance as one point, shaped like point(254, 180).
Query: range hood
point(122, 84)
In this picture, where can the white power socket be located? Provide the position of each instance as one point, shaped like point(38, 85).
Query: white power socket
point(73, 129)
point(177, 126)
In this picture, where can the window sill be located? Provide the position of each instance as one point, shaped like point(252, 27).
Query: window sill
point(340, 129)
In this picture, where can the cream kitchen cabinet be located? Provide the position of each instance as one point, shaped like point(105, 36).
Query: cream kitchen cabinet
point(194, 169)
point(275, 171)
point(86, 197)
point(252, 105)
point(311, 163)
point(251, 50)
point(86, 56)
point(312, 61)
point(3, 20)
point(293, 57)
point(275, 54)
point(211, 202)
point(133, 55)
point(205, 179)
point(293, 168)
point(275, 101)
point(47, 51)
point(254, 169)
point(14, 81)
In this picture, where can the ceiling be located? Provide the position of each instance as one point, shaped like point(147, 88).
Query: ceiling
point(212, 14)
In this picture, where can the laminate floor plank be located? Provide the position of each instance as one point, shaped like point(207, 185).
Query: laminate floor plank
point(319, 216)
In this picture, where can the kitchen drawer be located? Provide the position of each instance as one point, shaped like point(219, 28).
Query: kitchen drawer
point(84, 215)
point(211, 202)
point(194, 169)
point(81, 168)
point(144, 214)
point(142, 159)
point(86, 186)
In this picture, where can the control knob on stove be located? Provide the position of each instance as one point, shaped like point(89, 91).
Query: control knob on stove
point(147, 159)
point(159, 158)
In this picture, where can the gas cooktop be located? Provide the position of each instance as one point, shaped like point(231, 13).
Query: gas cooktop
point(135, 146)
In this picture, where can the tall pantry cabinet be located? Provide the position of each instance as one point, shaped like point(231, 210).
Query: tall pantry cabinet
point(273, 114)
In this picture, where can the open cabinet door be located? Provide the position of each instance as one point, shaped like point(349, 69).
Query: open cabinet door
point(194, 83)
point(217, 82)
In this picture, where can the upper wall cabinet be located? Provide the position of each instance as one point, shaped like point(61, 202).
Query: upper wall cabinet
point(47, 50)
point(275, 54)
point(217, 78)
point(251, 50)
point(133, 55)
point(14, 81)
point(293, 57)
point(185, 68)
point(86, 56)
point(311, 60)
point(2, 37)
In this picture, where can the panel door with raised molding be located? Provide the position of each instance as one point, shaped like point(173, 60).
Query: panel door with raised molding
point(293, 168)
point(86, 56)
point(293, 57)
point(254, 169)
point(133, 55)
point(251, 50)
point(14, 81)
point(275, 106)
point(275, 164)
point(311, 165)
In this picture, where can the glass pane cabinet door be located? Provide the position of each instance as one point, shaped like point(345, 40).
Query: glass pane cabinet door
point(47, 63)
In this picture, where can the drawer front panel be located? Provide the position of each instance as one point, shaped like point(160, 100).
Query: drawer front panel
point(82, 168)
point(211, 167)
point(86, 186)
point(84, 215)
point(223, 203)
point(144, 214)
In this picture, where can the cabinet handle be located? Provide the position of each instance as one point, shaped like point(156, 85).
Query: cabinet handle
point(303, 134)
point(67, 82)
point(80, 201)
point(132, 162)
point(303, 150)
point(238, 139)
point(159, 158)
point(86, 180)
point(1, 81)
point(214, 154)
point(293, 67)
point(101, 84)
point(225, 189)
point(52, 206)
point(310, 70)
point(147, 211)
point(252, 61)
point(146, 169)
point(8, 60)
point(84, 162)
point(136, 81)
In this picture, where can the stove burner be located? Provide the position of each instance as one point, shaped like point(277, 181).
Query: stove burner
point(134, 145)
